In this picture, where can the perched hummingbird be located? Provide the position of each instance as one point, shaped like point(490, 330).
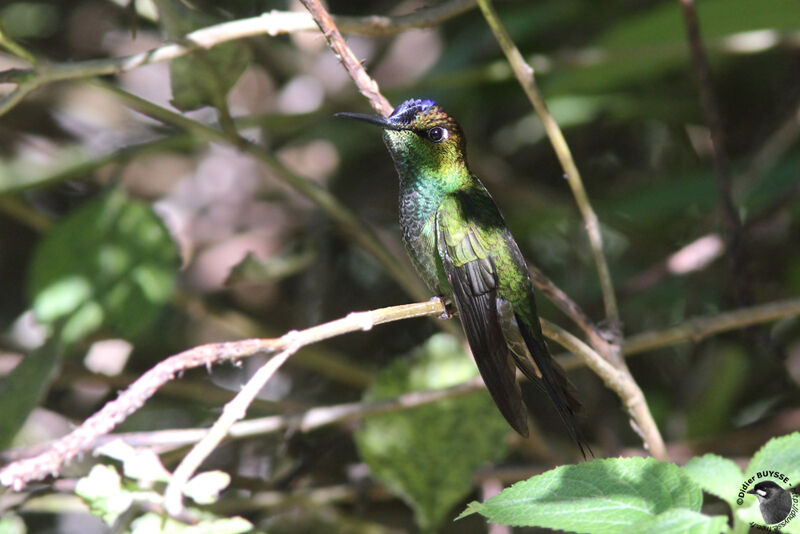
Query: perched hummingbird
point(461, 247)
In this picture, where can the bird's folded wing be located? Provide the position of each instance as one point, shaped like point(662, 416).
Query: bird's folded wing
point(468, 264)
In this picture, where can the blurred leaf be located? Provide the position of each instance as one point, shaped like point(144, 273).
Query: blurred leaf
point(142, 465)
point(711, 413)
point(601, 496)
point(29, 171)
point(428, 455)
point(24, 387)
point(102, 490)
point(12, 524)
point(649, 43)
point(716, 475)
point(204, 77)
point(111, 262)
point(205, 488)
point(109, 496)
point(151, 523)
point(252, 269)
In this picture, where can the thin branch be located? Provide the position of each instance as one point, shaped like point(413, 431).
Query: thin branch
point(368, 87)
point(234, 411)
point(525, 75)
point(568, 307)
point(270, 23)
point(701, 327)
point(314, 418)
point(81, 439)
point(733, 224)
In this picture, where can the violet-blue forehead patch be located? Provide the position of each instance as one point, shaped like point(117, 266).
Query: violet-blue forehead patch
point(408, 110)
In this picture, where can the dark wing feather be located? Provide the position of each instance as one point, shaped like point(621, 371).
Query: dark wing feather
point(554, 381)
point(474, 286)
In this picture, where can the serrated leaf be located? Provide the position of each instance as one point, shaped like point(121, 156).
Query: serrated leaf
point(111, 262)
point(716, 475)
point(682, 521)
point(601, 496)
point(206, 487)
point(779, 454)
point(428, 455)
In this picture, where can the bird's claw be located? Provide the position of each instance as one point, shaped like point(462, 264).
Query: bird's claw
point(448, 312)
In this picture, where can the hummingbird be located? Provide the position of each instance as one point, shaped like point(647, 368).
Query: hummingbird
point(461, 247)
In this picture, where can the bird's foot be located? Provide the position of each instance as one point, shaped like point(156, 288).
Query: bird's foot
point(448, 312)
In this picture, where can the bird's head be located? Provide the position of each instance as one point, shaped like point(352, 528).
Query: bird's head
point(766, 490)
point(420, 135)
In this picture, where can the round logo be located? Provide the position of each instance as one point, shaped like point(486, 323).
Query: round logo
point(777, 501)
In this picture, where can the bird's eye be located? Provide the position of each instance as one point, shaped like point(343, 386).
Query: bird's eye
point(437, 134)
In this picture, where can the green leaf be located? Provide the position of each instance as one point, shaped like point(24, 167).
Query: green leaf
point(779, 454)
point(428, 455)
point(682, 521)
point(716, 475)
point(102, 490)
point(24, 387)
point(711, 412)
point(651, 42)
point(142, 465)
point(206, 487)
point(110, 263)
point(602, 496)
point(204, 77)
point(12, 524)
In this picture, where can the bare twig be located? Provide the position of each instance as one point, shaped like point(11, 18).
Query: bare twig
point(21, 472)
point(234, 411)
point(701, 327)
point(368, 87)
point(733, 224)
point(568, 306)
point(525, 75)
point(270, 23)
point(81, 439)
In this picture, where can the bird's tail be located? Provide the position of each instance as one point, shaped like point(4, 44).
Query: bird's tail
point(545, 371)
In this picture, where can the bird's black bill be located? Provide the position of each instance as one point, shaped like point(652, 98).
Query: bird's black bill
point(377, 120)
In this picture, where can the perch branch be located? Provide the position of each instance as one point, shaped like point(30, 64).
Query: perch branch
point(48, 458)
point(81, 439)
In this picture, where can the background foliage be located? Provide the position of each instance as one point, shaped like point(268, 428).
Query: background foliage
point(119, 233)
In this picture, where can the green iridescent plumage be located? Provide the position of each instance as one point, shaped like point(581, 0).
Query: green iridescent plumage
point(460, 245)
